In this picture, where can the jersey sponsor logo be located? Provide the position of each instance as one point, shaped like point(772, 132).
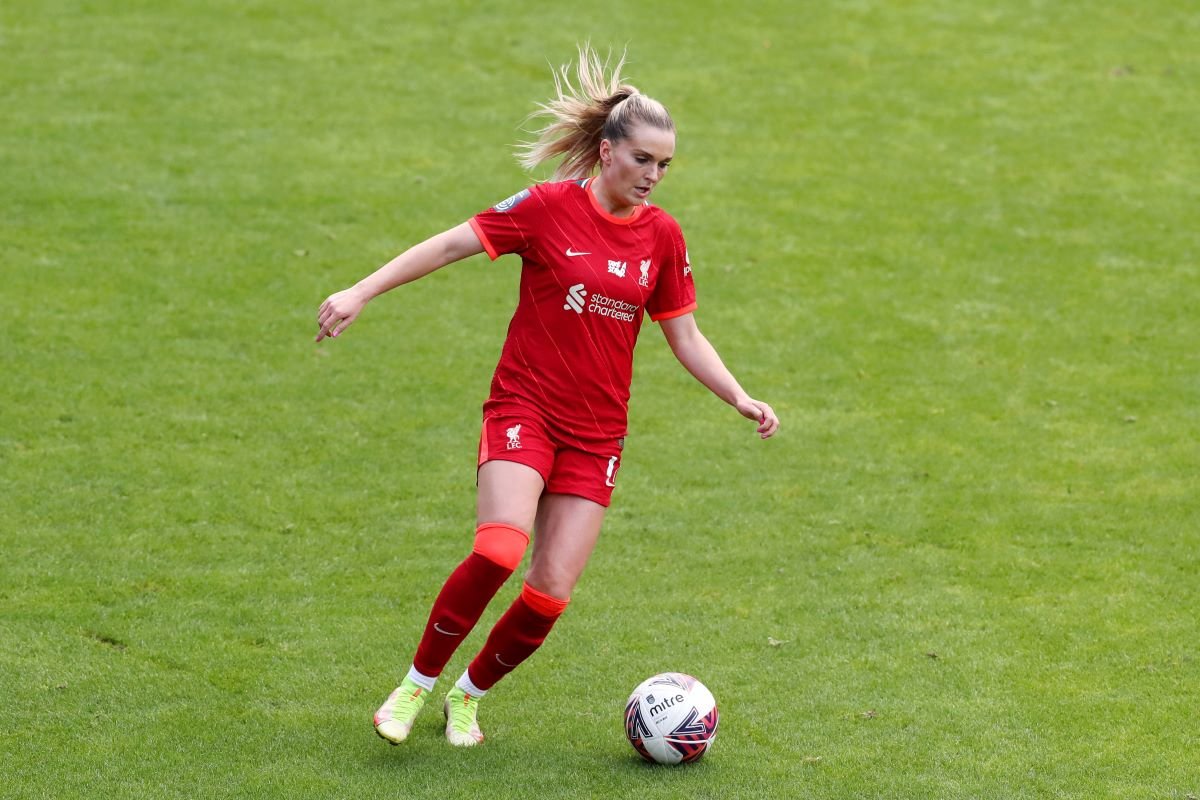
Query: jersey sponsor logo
point(612, 307)
point(504, 206)
point(644, 267)
point(577, 301)
point(575, 297)
point(617, 268)
point(571, 253)
point(514, 437)
point(687, 270)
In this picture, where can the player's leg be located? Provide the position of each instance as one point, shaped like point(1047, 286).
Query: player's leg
point(506, 509)
point(565, 534)
point(568, 527)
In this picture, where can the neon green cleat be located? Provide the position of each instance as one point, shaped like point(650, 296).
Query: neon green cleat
point(462, 725)
point(394, 719)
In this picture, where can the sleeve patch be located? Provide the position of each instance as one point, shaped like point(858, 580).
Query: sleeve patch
point(504, 206)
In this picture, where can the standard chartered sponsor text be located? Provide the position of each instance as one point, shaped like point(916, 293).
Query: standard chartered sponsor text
point(612, 307)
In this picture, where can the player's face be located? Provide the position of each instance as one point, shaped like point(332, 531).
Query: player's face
point(633, 166)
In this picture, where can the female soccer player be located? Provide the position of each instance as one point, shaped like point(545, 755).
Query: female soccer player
point(596, 257)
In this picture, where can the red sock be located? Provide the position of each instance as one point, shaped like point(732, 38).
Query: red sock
point(466, 594)
point(516, 636)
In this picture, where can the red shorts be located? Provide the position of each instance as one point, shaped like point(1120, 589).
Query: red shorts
point(521, 436)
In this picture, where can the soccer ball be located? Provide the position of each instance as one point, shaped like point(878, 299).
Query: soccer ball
point(671, 718)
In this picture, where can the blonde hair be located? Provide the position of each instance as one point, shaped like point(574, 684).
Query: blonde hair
point(599, 107)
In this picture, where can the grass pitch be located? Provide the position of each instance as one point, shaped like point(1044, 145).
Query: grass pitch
point(955, 245)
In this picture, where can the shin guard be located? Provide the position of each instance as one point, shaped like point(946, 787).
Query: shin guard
point(498, 551)
point(516, 636)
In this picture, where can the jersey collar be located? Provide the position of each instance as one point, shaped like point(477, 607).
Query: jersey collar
point(587, 187)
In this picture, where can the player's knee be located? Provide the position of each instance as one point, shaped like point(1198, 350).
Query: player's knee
point(501, 543)
point(551, 579)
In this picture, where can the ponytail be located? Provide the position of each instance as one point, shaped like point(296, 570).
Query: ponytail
point(580, 117)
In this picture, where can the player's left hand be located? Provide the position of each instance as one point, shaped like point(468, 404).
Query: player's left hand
point(761, 413)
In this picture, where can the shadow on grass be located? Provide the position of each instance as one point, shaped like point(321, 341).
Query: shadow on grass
point(532, 767)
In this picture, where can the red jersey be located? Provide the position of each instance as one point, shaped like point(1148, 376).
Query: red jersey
point(587, 278)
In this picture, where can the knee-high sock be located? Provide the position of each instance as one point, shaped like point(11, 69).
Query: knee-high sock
point(466, 593)
point(516, 636)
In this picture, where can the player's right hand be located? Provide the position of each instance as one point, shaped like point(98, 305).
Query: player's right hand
point(338, 311)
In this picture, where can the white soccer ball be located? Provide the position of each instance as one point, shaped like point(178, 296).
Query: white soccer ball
point(671, 718)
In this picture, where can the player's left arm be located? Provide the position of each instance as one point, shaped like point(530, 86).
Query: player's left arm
point(700, 358)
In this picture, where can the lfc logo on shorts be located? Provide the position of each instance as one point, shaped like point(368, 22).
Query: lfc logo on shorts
point(610, 476)
point(514, 437)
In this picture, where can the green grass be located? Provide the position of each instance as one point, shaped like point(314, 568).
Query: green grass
point(955, 245)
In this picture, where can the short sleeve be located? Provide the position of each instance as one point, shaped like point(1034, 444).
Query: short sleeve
point(674, 291)
point(509, 226)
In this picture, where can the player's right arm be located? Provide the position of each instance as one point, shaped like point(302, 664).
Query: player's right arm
point(342, 308)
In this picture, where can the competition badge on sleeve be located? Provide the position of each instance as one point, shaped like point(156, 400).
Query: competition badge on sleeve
point(504, 206)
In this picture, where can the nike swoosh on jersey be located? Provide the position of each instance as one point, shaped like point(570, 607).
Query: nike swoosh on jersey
point(572, 253)
point(439, 629)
